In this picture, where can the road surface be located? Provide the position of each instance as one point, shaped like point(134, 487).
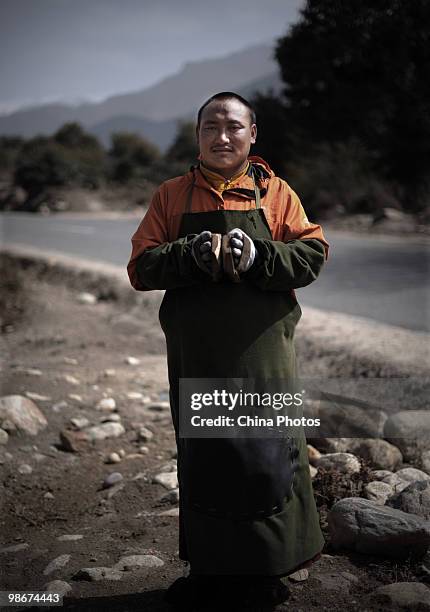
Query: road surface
point(381, 278)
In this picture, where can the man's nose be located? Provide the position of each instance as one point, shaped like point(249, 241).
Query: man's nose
point(222, 136)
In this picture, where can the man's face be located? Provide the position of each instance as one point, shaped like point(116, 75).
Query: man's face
point(225, 136)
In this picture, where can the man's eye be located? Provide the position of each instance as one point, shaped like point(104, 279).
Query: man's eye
point(208, 128)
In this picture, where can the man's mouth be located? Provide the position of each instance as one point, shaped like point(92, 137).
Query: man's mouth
point(222, 150)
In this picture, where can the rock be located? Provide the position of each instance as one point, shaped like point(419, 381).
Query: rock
point(134, 395)
point(381, 474)
point(58, 586)
point(14, 548)
point(380, 453)
point(70, 360)
point(4, 436)
point(96, 574)
point(121, 453)
point(415, 499)
point(107, 403)
point(313, 471)
point(37, 396)
point(170, 466)
point(410, 431)
point(169, 480)
point(113, 458)
point(144, 434)
point(75, 397)
point(333, 581)
point(56, 564)
point(403, 596)
point(59, 406)
point(111, 418)
point(299, 576)
point(109, 372)
point(171, 512)
point(79, 422)
point(32, 371)
point(8, 426)
point(158, 406)
point(378, 492)
point(86, 298)
point(425, 461)
point(343, 462)
point(70, 538)
point(72, 380)
point(132, 562)
point(23, 413)
point(333, 445)
point(366, 527)
point(172, 497)
point(144, 450)
point(105, 430)
point(313, 454)
point(132, 360)
point(24, 468)
point(402, 478)
point(350, 421)
point(112, 479)
point(48, 495)
point(113, 490)
point(73, 441)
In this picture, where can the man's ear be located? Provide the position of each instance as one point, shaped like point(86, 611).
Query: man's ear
point(253, 133)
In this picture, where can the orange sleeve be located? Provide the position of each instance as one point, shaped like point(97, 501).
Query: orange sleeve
point(296, 223)
point(151, 232)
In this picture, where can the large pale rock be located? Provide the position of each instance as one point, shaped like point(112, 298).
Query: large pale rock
point(105, 430)
point(169, 480)
point(402, 596)
point(132, 562)
point(366, 527)
point(410, 431)
point(378, 492)
point(343, 462)
point(415, 499)
point(23, 413)
point(402, 478)
point(380, 453)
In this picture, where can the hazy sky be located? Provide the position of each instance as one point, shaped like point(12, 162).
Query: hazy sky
point(71, 50)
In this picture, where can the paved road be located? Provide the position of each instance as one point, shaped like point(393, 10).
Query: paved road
point(385, 279)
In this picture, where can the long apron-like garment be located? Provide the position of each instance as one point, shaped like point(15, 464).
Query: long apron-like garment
point(236, 330)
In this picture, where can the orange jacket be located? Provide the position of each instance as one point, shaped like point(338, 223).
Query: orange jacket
point(284, 212)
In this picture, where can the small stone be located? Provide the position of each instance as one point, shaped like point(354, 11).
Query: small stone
point(113, 458)
point(112, 479)
point(56, 564)
point(96, 574)
point(70, 538)
point(107, 403)
point(144, 434)
point(300, 576)
point(313, 454)
point(172, 497)
point(4, 436)
point(73, 441)
point(37, 396)
point(169, 480)
point(158, 406)
point(75, 397)
point(132, 360)
point(72, 380)
point(344, 462)
point(134, 395)
point(403, 595)
point(171, 466)
point(144, 450)
point(70, 360)
point(79, 422)
point(113, 417)
point(24, 468)
point(114, 490)
point(132, 562)
point(109, 372)
point(32, 371)
point(86, 298)
point(105, 430)
point(48, 495)
point(59, 406)
point(313, 471)
point(14, 548)
point(378, 491)
point(121, 452)
point(58, 586)
point(170, 512)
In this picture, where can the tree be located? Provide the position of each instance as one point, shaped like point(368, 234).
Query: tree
point(184, 148)
point(131, 155)
point(361, 70)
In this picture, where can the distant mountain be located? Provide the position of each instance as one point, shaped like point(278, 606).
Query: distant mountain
point(154, 111)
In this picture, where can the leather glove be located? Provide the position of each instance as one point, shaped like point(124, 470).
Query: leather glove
point(243, 249)
point(201, 247)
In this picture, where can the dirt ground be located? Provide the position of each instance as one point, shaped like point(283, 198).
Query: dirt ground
point(45, 328)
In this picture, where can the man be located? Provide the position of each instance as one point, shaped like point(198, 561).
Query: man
point(246, 511)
